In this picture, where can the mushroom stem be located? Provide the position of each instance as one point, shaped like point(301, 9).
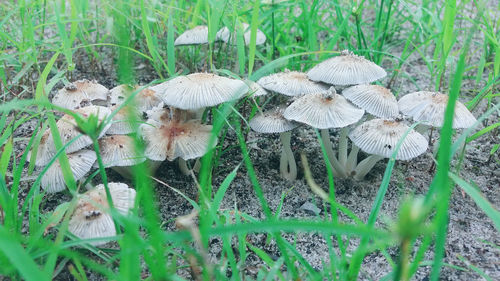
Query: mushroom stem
point(343, 147)
point(352, 160)
point(338, 170)
point(288, 168)
point(365, 166)
point(183, 167)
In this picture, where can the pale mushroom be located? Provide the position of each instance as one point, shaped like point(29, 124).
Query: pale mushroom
point(91, 217)
point(119, 153)
point(224, 34)
point(80, 163)
point(346, 69)
point(195, 36)
point(291, 83)
point(380, 137)
point(144, 100)
point(273, 122)
point(80, 93)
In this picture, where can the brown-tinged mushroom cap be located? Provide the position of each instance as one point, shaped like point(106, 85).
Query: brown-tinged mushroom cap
point(200, 90)
point(170, 138)
point(272, 121)
point(144, 100)
point(73, 95)
point(375, 99)
point(291, 83)
point(195, 36)
point(121, 122)
point(323, 110)
point(225, 35)
point(91, 218)
point(429, 107)
point(346, 69)
point(119, 150)
point(80, 162)
point(380, 137)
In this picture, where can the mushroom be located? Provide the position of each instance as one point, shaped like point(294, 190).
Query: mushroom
point(199, 90)
point(273, 122)
point(225, 35)
point(68, 130)
point(346, 69)
point(255, 90)
point(91, 217)
point(325, 110)
point(118, 152)
point(195, 36)
point(80, 163)
point(122, 121)
point(429, 108)
point(376, 100)
point(291, 83)
point(380, 137)
point(170, 136)
point(80, 93)
point(144, 100)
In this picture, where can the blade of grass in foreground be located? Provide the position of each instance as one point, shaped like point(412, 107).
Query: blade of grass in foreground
point(442, 185)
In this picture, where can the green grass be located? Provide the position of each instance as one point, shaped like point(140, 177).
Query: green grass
point(45, 43)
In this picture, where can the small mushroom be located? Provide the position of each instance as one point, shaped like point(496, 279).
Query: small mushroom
point(346, 69)
point(91, 217)
point(380, 137)
point(291, 83)
point(429, 108)
point(122, 121)
point(144, 100)
point(199, 90)
point(195, 36)
point(325, 110)
point(375, 99)
point(255, 90)
point(225, 35)
point(118, 152)
point(80, 163)
point(273, 122)
point(80, 93)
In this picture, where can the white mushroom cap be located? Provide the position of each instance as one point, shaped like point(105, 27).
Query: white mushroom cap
point(200, 90)
point(225, 35)
point(45, 150)
point(346, 69)
point(91, 218)
point(380, 137)
point(324, 110)
point(169, 139)
point(80, 163)
point(194, 36)
point(144, 100)
point(376, 100)
point(255, 89)
point(272, 121)
point(291, 83)
point(119, 150)
point(73, 95)
point(121, 122)
point(429, 107)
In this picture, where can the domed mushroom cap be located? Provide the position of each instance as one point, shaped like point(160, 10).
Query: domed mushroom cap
point(80, 163)
point(73, 95)
point(170, 139)
point(45, 150)
point(255, 90)
point(323, 110)
point(291, 83)
point(119, 150)
point(272, 121)
point(121, 122)
point(225, 35)
point(200, 90)
point(346, 69)
point(91, 218)
point(194, 36)
point(380, 137)
point(376, 100)
point(429, 107)
point(143, 100)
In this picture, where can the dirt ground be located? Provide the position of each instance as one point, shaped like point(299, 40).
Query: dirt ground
point(472, 238)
